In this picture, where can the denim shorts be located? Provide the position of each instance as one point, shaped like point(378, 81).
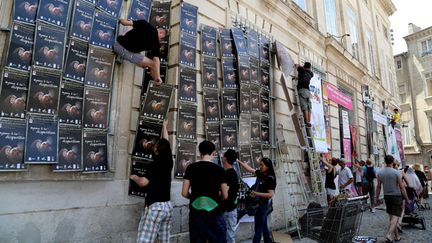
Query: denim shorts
point(135, 58)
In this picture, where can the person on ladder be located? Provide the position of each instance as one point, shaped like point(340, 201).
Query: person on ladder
point(305, 74)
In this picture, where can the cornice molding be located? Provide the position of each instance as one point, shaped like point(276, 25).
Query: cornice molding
point(388, 6)
point(419, 34)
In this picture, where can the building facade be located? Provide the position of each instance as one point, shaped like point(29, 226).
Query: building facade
point(41, 206)
point(414, 77)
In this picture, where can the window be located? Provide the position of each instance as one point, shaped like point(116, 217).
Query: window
point(402, 92)
point(385, 32)
point(371, 62)
point(398, 64)
point(301, 4)
point(352, 24)
point(406, 134)
point(377, 22)
point(426, 47)
point(330, 14)
point(429, 86)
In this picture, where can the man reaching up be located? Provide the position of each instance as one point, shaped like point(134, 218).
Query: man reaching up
point(304, 76)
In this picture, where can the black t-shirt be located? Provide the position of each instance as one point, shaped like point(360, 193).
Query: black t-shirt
point(265, 183)
point(329, 180)
point(159, 176)
point(232, 181)
point(205, 182)
point(304, 77)
point(422, 177)
point(143, 37)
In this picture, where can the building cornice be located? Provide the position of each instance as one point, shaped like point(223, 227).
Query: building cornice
point(419, 34)
point(388, 6)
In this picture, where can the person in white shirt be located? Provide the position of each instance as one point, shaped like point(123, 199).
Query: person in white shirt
point(346, 178)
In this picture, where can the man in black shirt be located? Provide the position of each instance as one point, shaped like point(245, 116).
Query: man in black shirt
point(205, 180)
point(142, 37)
point(230, 205)
point(304, 76)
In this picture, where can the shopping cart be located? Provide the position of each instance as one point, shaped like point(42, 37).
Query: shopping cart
point(339, 223)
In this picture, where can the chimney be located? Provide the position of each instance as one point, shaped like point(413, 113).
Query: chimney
point(412, 28)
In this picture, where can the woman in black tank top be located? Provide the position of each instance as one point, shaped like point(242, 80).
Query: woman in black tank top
point(329, 179)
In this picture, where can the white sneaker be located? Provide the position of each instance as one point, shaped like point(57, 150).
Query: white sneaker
point(373, 210)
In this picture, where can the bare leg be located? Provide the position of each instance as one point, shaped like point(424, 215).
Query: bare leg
point(393, 220)
point(146, 63)
point(307, 116)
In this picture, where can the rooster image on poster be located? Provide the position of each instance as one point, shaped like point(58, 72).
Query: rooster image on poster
point(255, 131)
point(245, 103)
point(231, 77)
point(212, 110)
point(71, 111)
point(190, 23)
point(14, 103)
point(265, 134)
point(100, 73)
point(85, 27)
point(188, 54)
point(45, 99)
point(141, 14)
point(161, 19)
point(264, 106)
point(254, 73)
point(112, 4)
point(49, 53)
point(264, 78)
point(255, 101)
point(265, 53)
point(216, 142)
point(11, 154)
point(187, 126)
point(42, 146)
point(68, 155)
point(258, 159)
point(209, 45)
point(147, 143)
point(252, 45)
point(210, 76)
point(29, 8)
point(241, 44)
point(230, 139)
point(23, 54)
point(104, 35)
point(53, 10)
point(156, 106)
point(231, 108)
point(95, 157)
point(96, 116)
point(245, 73)
point(78, 67)
point(188, 89)
point(227, 47)
point(184, 163)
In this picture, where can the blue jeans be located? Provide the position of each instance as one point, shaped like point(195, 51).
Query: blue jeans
point(204, 226)
point(231, 222)
point(261, 226)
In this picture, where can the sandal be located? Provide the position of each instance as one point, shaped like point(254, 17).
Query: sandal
point(398, 239)
point(387, 240)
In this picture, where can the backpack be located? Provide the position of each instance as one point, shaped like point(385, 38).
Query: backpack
point(370, 174)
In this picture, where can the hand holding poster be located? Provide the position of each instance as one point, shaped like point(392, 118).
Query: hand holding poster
point(141, 169)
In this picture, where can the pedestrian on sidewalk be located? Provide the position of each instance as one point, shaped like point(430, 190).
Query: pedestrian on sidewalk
point(423, 181)
point(359, 176)
point(391, 180)
point(156, 218)
point(305, 74)
point(330, 185)
point(204, 186)
point(263, 189)
point(230, 205)
point(346, 179)
point(369, 175)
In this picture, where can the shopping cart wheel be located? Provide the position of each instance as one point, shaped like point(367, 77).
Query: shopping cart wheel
point(423, 224)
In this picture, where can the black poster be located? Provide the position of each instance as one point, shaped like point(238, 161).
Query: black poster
point(209, 72)
point(245, 99)
point(245, 155)
point(187, 49)
point(20, 47)
point(25, 10)
point(157, 101)
point(54, 12)
point(186, 155)
point(254, 71)
point(95, 148)
point(226, 43)
point(139, 168)
point(147, 78)
point(140, 10)
point(255, 128)
point(213, 135)
point(160, 15)
point(264, 50)
point(211, 106)
point(252, 38)
point(76, 61)
point(187, 122)
point(229, 104)
point(188, 18)
point(244, 69)
point(71, 104)
point(103, 31)
point(255, 98)
point(229, 72)
point(42, 141)
point(264, 101)
point(69, 153)
point(229, 135)
point(13, 94)
point(257, 154)
point(187, 85)
point(96, 104)
point(100, 65)
point(208, 40)
point(244, 136)
point(12, 139)
point(164, 46)
point(265, 76)
point(82, 20)
point(239, 41)
point(146, 137)
point(111, 7)
point(265, 136)
point(43, 94)
point(49, 46)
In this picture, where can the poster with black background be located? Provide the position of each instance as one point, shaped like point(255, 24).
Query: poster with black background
point(25, 11)
point(111, 7)
point(257, 154)
point(82, 20)
point(264, 49)
point(186, 155)
point(208, 40)
point(254, 71)
point(265, 76)
point(252, 38)
point(245, 155)
point(244, 130)
point(245, 99)
point(244, 69)
point(43, 94)
point(95, 157)
point(54, 12)
point(42, 141)
point(229, 72)
point(229, 135)
point(49, 46)
point(103, 31)
point(264, 101)
point(140, 168)
point(229, 104)
point(164, 47)
point(71, 104)
point(160, 14)
point(76, 61)
point(209, 72)
point(213, 135)
point(96, 104)
point(140, 10)
point(239, 41)
point(265, 137)
point(100, 65)
point(187, 49)
point(69, 153)
point(157, 101)
point(13, 93)
point(226, 43)
point(148, 78)
point(188, 18)
point(211, 105)
point(12, 140)
point(146, 137)
point(187, 121)
point(187, 85)
point(20, 47)
point(255, 127)
point(255, 98)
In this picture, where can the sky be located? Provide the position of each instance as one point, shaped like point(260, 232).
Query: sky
point(417, 12)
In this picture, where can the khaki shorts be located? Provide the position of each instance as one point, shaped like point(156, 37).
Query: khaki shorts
point(393, 205)
point(304, 96)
